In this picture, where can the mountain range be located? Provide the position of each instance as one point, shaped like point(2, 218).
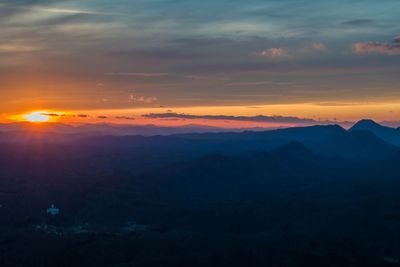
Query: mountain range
point(303, 196)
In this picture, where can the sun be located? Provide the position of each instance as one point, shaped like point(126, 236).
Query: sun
point(37, 117)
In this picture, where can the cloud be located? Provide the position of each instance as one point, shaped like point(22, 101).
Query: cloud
point(138, 74)
point(274, 53)
point(258, 83)
point(142, 99)
point(259, 118)
point(391, 49)
point(358, 22)
point(86, 116)
point(147, 100)
point(299, 53)
point(124, 118)
point(17, 48)
point(76, 50)
point(45, 6)
point(67, 11)
point(66, 115)
point(51, 114)
point(205, 78)
point(320, 47)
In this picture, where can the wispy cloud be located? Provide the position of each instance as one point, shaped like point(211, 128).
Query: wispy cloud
point(66, 10)
point(84, 116)
point(17, 48)
point(146, 100)
point(259, 118)
point(71, 115)
point(52, 114)
point(138, 74)
point(124, 118)
point(205, 78)
point(320, 47)
point(390, 49)
point(143, 99)
point(274, 53)
point(258, 83)
point(358, 22)
point(300, 52)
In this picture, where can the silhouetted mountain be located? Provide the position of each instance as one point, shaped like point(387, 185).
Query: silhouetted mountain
point(331, 140)
point(296, 133)
point(390, 135)
point(367, 124)
point(25, 128)
point(289, 197)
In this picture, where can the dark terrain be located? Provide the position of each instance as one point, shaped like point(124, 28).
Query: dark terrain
point(312, 196)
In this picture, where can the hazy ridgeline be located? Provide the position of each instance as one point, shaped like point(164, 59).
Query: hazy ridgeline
point(312, 196)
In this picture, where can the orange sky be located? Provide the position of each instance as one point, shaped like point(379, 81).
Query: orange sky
point(106, 59)
point(326, 112)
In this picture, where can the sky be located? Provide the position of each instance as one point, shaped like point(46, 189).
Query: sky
point(181, 61)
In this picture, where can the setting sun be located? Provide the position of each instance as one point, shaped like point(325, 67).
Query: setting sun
point(37, 117)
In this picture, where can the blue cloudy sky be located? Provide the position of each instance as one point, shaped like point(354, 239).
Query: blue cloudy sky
point(117, 54)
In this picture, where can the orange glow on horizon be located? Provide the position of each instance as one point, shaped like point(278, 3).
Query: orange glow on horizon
point(333, 112)
point(37, 117)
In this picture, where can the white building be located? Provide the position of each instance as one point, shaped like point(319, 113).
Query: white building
point(53, 211)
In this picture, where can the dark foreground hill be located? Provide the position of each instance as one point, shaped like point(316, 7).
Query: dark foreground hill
point(314, 196)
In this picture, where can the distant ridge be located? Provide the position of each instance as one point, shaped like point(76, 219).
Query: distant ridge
point(368, 124)
point(388, 134)
point(25, 128)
